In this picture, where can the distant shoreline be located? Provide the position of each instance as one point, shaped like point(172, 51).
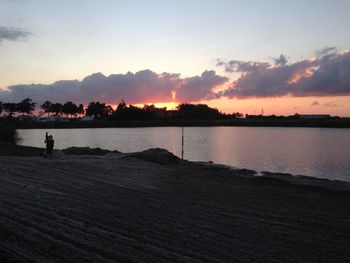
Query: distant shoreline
point(263, 122)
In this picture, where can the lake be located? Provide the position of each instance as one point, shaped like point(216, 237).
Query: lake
point(317, 152)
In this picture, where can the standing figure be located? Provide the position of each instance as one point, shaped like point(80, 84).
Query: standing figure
point(50, 142)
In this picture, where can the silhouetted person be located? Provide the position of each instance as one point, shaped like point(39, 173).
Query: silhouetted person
point(50, 142)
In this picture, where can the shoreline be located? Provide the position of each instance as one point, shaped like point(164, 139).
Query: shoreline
point(91, 205)
point(8, 149)
point(296, 179)
point(313, 123)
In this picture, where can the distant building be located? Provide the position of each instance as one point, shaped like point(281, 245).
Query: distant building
point(53, 118)
point(315, 116)
point(87, 118)
point(25, 118)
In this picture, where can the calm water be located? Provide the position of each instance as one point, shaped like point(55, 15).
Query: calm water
point(318, 152)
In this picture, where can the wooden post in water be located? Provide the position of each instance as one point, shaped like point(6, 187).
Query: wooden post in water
point(182, 144)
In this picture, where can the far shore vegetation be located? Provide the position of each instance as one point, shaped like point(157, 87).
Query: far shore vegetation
point(27, 115)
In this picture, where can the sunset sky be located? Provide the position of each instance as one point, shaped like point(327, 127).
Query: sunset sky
point(283, 56)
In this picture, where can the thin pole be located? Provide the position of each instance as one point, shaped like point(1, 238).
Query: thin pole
point(182, 144)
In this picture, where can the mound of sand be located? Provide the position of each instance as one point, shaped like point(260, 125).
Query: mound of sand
point(156, 155)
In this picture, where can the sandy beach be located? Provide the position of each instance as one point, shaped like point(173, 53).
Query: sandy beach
point(153, 207)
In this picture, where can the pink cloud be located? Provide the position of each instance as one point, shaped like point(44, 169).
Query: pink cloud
point(327, 75)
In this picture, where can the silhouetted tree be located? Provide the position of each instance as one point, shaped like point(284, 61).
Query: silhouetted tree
point(69, 108)
point(81, 110)
point(98, 110)
point(131, 113)
point(107, 111)
point(194, 111)
point(92, 110)
point(238, 114)
point(121, 106)
point(26, 106)
point(149, 107)
point(124, 112)
point(234, 115)
point(135, 113)
point(56, 108)
point(10, 109)
point(47, 107)
point(153, 111)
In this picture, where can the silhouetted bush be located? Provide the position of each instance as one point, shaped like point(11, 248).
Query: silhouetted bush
point(8, 132)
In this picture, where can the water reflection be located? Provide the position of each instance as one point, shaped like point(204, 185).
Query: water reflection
point(315, 152)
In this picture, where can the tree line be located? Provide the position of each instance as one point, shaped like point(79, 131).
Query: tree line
point(99, 111)
point(25, 107)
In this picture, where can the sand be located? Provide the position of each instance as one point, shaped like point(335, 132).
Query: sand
point(153, 207)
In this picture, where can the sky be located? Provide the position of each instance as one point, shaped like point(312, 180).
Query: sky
point(284, 57)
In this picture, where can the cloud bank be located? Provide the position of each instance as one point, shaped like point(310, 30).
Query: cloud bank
point(142, 87)
point(200, 87)
point(12, 34)
point(326, 75)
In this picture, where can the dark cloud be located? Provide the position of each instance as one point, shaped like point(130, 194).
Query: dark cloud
point(12, 34)
point(266, 82)
point(142, 87)
point(242, 66)
point(330, 76)
point(325, 76)
point(315, 103)
point(220, 63)
point(281, 60)
point(325, 51)
point(199, 87)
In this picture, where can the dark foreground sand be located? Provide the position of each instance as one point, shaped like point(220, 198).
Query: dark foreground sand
point(151, 207)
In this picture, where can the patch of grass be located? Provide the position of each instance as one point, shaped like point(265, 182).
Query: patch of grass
point(8, 132)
